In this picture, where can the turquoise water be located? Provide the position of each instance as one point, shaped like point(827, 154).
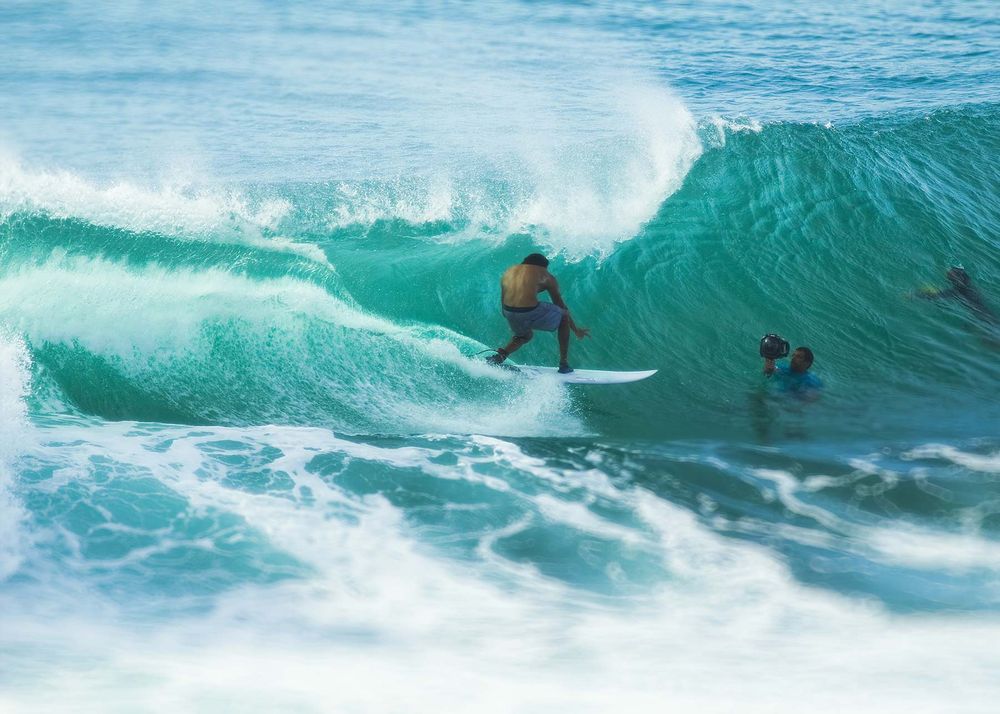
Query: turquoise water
point(249, 459)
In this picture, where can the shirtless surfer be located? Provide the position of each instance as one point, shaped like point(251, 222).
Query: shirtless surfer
point(519, 288)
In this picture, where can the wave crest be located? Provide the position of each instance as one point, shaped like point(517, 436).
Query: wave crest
point(577, 197)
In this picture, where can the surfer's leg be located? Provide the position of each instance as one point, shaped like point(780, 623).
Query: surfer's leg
point(513, 346)
point(516, 342)
point(522, 333)
point(564, 340)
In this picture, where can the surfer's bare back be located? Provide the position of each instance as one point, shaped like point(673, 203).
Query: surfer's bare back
point(525, 313)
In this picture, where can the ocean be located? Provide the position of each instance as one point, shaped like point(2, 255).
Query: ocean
point(251, 455)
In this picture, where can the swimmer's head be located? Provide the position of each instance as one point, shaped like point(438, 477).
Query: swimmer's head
point(802, 359)
point(536, 259)
point(958, 277)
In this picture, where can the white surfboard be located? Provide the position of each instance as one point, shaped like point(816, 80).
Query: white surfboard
point(586, 376)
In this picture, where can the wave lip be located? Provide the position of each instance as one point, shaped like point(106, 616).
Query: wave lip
point(175, 209)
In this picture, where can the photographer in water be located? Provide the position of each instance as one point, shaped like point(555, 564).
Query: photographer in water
point(794, 377)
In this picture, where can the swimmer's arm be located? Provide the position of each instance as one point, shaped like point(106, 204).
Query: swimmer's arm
point(769, 367)
point(928, 293)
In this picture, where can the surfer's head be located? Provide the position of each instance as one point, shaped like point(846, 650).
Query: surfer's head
point(802, 359)
point(958, 277)
point(536, 259)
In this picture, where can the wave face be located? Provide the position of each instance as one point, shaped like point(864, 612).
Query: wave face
point(251, 456)
point(368, 325)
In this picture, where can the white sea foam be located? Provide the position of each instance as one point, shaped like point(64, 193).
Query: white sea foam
point(728, 624)
point(933, 550)
point(580, 517)
point(716, 128)
point(904, 544)
point(984, 463)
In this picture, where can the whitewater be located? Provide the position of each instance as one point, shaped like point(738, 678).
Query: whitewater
point(252, 458)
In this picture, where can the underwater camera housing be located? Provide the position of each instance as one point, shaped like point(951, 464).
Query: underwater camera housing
point(772, 346)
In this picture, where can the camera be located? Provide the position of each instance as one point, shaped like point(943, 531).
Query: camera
point(773, 346)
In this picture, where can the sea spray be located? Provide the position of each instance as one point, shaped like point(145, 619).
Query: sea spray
point(578, 197)
point(176, 209)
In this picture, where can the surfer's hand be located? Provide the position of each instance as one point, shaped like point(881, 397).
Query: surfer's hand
point(581, 332)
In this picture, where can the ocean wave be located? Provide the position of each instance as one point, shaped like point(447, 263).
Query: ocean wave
point(194, 345)
point(850, 220)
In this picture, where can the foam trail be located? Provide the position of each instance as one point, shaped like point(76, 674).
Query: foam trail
point(987, 463)
point(900, 544)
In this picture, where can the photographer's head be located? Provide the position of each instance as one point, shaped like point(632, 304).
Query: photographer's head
point(802, 359)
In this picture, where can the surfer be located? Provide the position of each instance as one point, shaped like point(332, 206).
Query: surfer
point(962, 289)
point(519, 288)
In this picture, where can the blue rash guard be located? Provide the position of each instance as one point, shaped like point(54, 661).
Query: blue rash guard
point(799, 383)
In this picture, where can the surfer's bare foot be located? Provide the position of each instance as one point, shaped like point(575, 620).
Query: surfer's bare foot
point(564, 368)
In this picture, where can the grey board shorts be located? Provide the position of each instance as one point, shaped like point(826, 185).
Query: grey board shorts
point(544, 316)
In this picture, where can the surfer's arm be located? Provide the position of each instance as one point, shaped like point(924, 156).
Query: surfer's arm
point(552, 285)
point(580, 332)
